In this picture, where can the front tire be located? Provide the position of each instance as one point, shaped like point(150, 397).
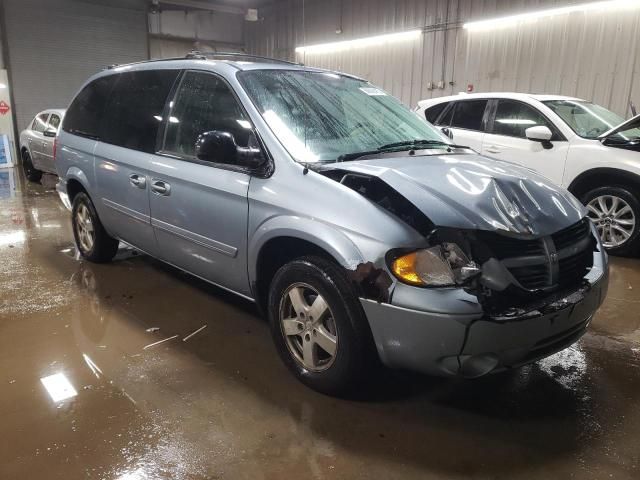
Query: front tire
point(31, 172)
point(92, 241)
point(318, 326)
point(615, 211)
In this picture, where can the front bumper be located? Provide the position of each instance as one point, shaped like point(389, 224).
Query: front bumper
point(451, 335)
point(61, 188)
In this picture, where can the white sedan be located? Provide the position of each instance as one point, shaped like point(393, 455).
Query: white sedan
point(582, 146)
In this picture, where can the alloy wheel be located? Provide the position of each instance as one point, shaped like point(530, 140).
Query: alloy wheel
point(84, 228)
point(309, 327)
point(614, 219)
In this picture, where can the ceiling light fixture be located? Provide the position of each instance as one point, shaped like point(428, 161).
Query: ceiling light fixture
point(532, 16)
point(359, 42)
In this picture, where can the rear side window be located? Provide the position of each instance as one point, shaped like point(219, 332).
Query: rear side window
point(85, 112)
point(204, 103)
point(54, 121)
point(468, 114)
point(432, 113)
point(40, 122)
point(513, 118)
point(134, 111)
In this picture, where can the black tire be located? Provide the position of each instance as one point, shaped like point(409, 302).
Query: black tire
point(355, 355)
point(104, 247)
point(31, 172)
point(632, 245)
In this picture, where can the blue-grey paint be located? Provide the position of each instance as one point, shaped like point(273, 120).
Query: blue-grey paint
point(430, 330)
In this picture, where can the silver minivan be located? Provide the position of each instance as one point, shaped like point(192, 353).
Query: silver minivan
point(361, 232)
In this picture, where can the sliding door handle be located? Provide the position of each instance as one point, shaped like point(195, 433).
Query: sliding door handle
point(160, 187)
point(137, 180)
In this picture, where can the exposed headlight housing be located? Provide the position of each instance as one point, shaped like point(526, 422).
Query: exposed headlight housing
point(439, 266)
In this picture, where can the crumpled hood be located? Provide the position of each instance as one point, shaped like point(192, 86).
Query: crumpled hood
point(473, 192)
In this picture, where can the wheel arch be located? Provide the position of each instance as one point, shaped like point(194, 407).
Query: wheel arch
point(77, 182)
point(602, 177)
point(281, 243)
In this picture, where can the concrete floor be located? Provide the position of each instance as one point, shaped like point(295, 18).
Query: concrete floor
point(221, 405)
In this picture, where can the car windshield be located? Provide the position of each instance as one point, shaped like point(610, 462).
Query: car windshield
point(322, 116)
point(586, 119)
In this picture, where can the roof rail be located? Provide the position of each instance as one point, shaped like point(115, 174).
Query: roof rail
point(228, 55)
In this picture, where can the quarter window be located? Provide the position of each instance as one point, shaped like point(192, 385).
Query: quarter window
point(85, 112)
point(40, 122)
point(513, 118)
point(432, 113)
point(134, 111)
point(468, 114)
point(204, 103)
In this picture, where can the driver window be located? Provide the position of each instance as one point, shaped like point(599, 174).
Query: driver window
point(203, 103)
point(513, 118)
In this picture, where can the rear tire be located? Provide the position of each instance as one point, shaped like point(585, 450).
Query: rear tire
point(31, 172)
point(615, 211)
point(92, 241)
point(334, 352)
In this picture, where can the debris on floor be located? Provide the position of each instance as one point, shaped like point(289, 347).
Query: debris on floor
point(194, 333)
point(159, 342)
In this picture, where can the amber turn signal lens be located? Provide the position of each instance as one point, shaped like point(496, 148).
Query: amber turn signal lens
point(405, 269)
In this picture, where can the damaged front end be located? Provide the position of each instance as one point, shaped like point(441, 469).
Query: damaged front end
point(520, 275)
point(510, 273)
point(484, 292)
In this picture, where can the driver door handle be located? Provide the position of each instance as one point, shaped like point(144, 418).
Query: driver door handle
point(494, 149)
point(137, 180)
point(160, 187)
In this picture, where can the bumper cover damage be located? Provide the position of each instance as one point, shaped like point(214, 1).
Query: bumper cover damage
point(447, 331)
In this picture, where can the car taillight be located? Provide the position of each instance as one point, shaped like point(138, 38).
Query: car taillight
point(55, 148)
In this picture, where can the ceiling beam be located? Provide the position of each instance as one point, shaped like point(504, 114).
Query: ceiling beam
point(203, 5)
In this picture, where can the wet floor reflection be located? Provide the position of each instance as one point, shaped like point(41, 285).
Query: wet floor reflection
point(215, 402)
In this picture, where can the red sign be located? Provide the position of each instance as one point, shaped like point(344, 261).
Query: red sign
point(4, 107)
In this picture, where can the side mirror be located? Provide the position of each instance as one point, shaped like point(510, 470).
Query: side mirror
point(50, 132)
point(218, 146)
point(541, 134)
point(447, 132)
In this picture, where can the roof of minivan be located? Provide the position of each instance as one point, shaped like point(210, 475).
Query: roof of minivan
point(212, 63)
point(514, 95)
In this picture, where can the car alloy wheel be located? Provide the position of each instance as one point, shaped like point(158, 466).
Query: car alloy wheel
point(308, 326)
point(614, 219)
point(84, 228)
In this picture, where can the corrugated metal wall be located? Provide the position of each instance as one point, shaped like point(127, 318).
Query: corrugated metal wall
point(55, 45)
point(593, 55)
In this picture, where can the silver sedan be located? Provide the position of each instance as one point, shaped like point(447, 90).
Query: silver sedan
point(37, 147)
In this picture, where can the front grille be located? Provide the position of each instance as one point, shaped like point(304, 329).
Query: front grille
point(507, 247)
point(546, 263)
point(567, 237)
point(532, 277)
point(573, 268)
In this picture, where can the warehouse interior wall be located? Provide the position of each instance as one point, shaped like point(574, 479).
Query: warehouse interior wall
point(593, 55)
point(53, 46)
point(173, 32)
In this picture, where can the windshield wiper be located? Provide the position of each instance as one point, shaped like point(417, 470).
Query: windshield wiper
point(397, 146)
point(413, 143)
